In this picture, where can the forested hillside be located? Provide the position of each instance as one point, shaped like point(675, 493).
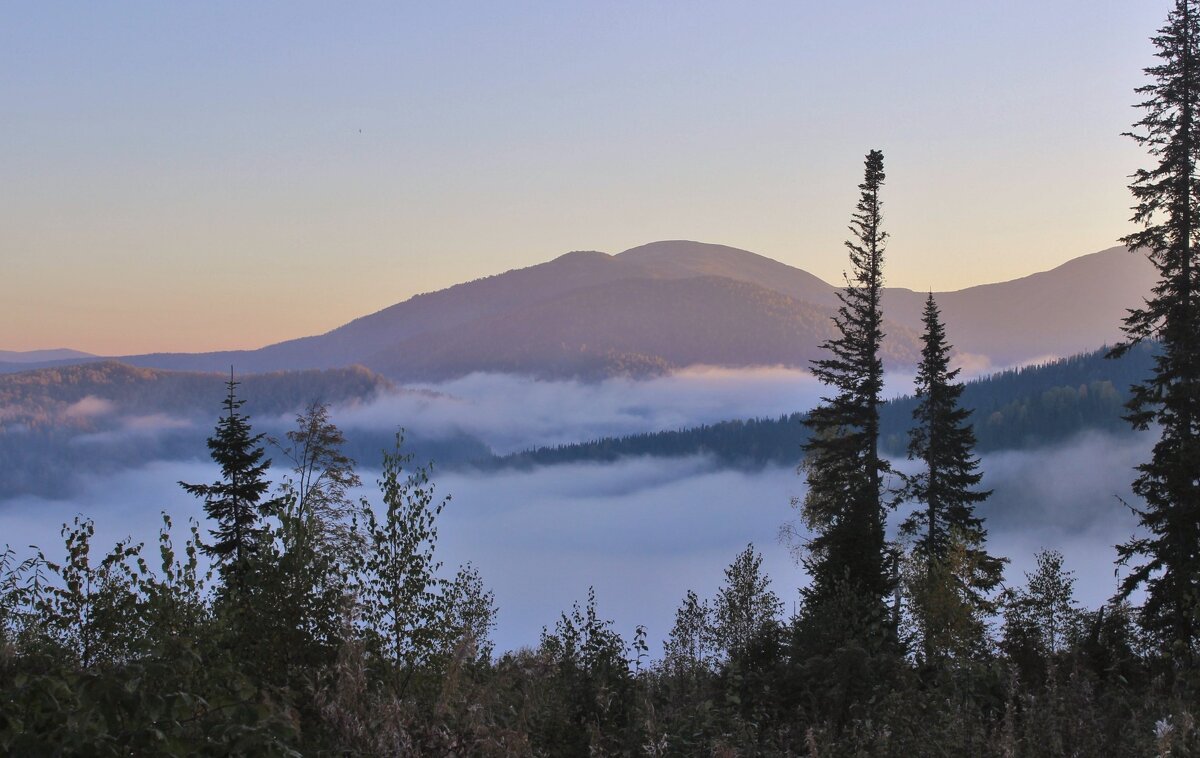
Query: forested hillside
point(1017, 409)
point(106, 416)
point(85, 396)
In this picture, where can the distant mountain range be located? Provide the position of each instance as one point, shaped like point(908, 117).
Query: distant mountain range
point(42, 356)
point(671, 304)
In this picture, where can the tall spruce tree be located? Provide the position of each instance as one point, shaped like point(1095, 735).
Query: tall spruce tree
point(951, 573)
point(235, 502)
point(844, 507)
point(1165, 559)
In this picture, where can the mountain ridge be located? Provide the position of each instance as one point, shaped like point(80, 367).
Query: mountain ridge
point(41, 356)
point(492, 319)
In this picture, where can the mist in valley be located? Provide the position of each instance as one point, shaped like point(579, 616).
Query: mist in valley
point(513, 413)
point(640, 531)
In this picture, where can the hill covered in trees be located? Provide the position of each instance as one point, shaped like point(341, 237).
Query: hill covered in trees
point(106, 416)
point(1020, 408)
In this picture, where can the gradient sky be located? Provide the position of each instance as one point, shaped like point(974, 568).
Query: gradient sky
point(194, 176)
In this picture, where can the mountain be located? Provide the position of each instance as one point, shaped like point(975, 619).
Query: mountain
point(1060, 312)
point(38, 356)
point(21, 360)
point(480, 299)
point(670, 304)
point(633, 327)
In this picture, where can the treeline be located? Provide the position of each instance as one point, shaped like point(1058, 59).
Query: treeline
point(1022, 408)
point(302, 622)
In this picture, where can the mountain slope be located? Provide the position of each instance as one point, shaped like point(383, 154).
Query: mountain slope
point(420, 314)
point(1056, 312)
point(632, 327)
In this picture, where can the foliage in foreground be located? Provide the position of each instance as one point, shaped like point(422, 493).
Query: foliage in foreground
point(107, 655)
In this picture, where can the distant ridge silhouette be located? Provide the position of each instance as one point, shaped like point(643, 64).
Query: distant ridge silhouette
point(669, 304)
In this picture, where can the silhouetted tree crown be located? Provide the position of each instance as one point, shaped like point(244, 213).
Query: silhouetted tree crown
point(235, 502)
point(844, 506)
point(1165, 557)
point(951, 574)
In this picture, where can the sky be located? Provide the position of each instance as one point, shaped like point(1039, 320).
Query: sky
point(197, 176)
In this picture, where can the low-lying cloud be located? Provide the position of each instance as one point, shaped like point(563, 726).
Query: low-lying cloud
point(512, 413)
point(453, 422)
point(976, 365)
point(89, 407)
point(136, 428)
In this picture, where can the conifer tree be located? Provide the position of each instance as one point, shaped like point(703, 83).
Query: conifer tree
point(844, 505)
point(1165, 559)
point(1040, 618)
point(952, 571)
point(235, 502)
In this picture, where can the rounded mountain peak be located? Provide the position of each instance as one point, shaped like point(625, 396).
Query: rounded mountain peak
point(582, 256)
point(685, 258)
point(681, 251)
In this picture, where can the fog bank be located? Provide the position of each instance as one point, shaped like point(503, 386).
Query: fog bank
point(513, 413)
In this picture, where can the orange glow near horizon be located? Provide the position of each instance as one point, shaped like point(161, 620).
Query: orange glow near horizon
point(218, 178)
